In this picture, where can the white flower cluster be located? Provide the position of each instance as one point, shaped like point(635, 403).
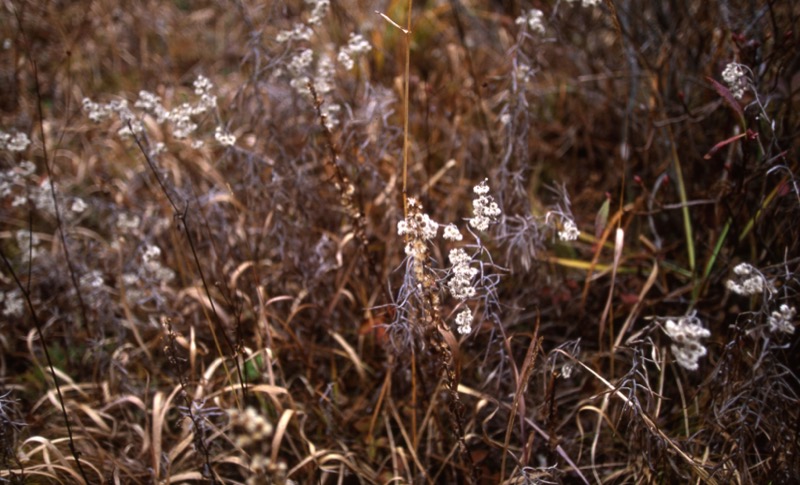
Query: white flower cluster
point(127, 224)
point(464, 321)
point(302, 31)
point(736, 79)
point(152, 266)
point(319, 10)
point(586, 3)
point(534, 20)
point(12, 302)
point(419, 229)
point(299, 32)
point(223, 137)
point(461, 283)
point(524, 72)
point(28, 243)
point(323, 80)
point(300, 72)
point(418, 226)
point(17, 142)
point(250, 430)
point(78, 205)
point(323, 83)
point(14, 182)
point(202, 87)
point(92, 279)
point(42, 197)
point(686, 334)
point(460, 286)
point(356, 46)
point(150, 272)
point(98, 112)
point(451, 233)
point(298, 68)
point(569, 232)
point(751, 281)
point(180, 117)
point(484, 208)
point(251, 426)
point(37, 192)
point(782, 319)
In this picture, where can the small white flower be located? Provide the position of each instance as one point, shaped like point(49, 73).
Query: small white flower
point(356, 46)
point(18, 143)
point(344, 59)
point(534, 20)
point(464, 321)
point(299, 32)
point(459, 257)
point(319, 11)
point(28, 244)
point(130, 279)
point(524, 72)
point(157, 149)
point(95, 111)
point(202, 85)
point(586, 3)
point(93, 279)
point(428, 226)
point(224, 138)
point(402, 228)
point(127, 223)
point(78, 206)
point(460, 283)
point(481, 188)
point(148, 101)
point(484, 208)
point(451, 233)
point(782, 320)
point(26, 167)
point(323, 81)
point(736, 79)
point(331, 114)
point(686, 333)
point(570, 231)
point(752, 282)
point(151, 254)
point(13, 304)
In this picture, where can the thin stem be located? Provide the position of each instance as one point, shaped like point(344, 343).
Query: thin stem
point(407, 79)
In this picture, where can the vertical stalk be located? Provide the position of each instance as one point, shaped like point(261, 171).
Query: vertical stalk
point(407, 79)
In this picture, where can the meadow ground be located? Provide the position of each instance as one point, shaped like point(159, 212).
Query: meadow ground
point(458, 241)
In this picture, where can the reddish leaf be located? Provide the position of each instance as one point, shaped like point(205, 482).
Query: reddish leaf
point(721, 144)
point(726, 94)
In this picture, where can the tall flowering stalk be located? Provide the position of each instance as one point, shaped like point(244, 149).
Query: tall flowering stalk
point(419, 306)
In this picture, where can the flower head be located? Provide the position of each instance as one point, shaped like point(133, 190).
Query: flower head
point(686, 333)
point(782, 319)
point(464, 321)
point(460, 283)
point(750, 281)
point(736, 79)
point(485, 208)
point(534, 20)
